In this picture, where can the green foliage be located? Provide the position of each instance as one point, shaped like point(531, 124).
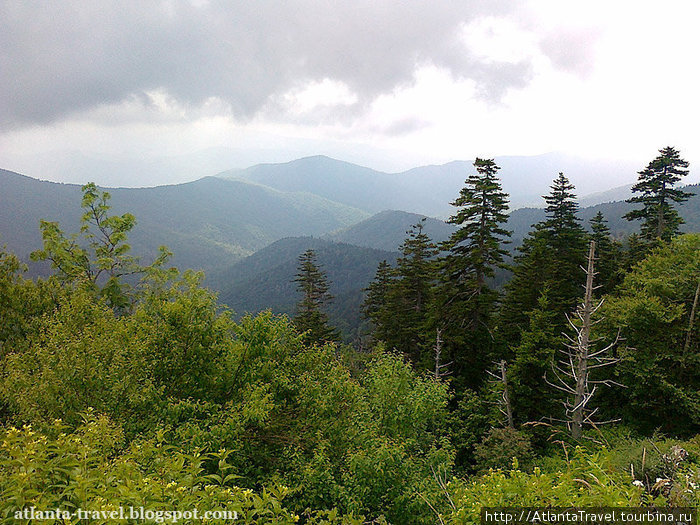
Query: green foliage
point(465, 300)
point(186, 335)
point(169, 403)
point(90, 470)
point(469, 422)
point(476, 247)
point(660, 364)
point(532, 398)
point(21, 300)
point(586, 481)
point(551, 256)
point(399, 300)
point(79, 356)
point(98, 256)
point(501, 447)
point(608, 256)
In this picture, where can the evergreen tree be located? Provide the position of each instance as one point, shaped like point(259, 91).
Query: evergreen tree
point(411, 294)
point(398, 299)
point(310, 318)
point(532, 397)
point(465, 302)
point(551, 256)
point(374, 306)
point(657, 195)
point(476, 247)
point(609, 255)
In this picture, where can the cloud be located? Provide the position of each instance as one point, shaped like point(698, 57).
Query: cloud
point(61, 59)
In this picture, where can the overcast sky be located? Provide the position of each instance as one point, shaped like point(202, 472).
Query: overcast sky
point(390, 84)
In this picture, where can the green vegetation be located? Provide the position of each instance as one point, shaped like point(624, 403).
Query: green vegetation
point(124, 385)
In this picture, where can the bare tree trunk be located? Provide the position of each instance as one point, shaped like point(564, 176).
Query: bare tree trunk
point(441, 369)
point(506, 394)
point(438, 351)
point(579, 357)
point(577, 416)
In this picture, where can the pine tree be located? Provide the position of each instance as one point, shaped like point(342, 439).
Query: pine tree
point(551, 256)
point(657, 195)
point(476, 247)
point(310, 318)
point(411, 295)
point(465, 302)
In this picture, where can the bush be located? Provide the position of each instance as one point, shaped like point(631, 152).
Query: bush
point(586, 481)
point(89, 470)
point(501, 446)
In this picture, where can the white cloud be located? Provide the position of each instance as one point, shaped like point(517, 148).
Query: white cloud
point(425, 81)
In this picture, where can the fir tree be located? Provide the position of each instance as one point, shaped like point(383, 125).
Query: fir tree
point(411, 295)
point(552, 256)
point(476, 247)
point(374, 306)
point(609, 258)
point(398, 299)
point(657, 195)
point(532, 397)
point(310, 318)
point(465, 302)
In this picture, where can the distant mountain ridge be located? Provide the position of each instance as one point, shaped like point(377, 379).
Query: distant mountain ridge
point(207, 223)
point(428, 190)
point(387, 230)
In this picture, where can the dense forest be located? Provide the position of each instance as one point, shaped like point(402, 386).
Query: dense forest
point(575, 383)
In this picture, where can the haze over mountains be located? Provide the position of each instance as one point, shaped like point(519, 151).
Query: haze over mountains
point(428, 190)
point(206, 223)
point(246, 228)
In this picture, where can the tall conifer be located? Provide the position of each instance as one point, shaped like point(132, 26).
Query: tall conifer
point(310, 317)
point(465, 302)
point(551, 256)
point(657, 195)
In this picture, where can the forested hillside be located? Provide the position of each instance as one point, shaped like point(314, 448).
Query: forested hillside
point(387, 230)
point(264, 280)
point(208, 223)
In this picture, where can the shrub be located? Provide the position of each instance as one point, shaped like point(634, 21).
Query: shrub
point(501, 446)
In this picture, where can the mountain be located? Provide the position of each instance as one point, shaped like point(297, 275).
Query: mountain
point(620, 193)
point(207, 223)
point(265, 279)
point(428, 190)
point(386, 230)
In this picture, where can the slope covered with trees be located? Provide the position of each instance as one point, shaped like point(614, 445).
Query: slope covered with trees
point(207, 224)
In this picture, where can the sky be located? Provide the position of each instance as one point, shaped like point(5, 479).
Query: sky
point(140, 93)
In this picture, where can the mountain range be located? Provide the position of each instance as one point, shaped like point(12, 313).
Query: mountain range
point(428, 190)
point(246, 232)
point(208, 223)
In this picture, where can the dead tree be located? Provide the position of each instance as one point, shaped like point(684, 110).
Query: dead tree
point(572, 369)
point(502, 378)
point(441, 369)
